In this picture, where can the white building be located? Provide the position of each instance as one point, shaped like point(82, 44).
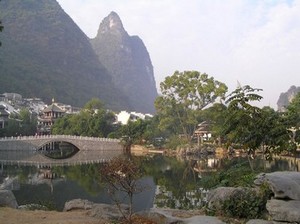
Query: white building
point(124, 117)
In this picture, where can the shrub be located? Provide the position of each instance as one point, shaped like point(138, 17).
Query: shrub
point(174, 141)
point(247, 204)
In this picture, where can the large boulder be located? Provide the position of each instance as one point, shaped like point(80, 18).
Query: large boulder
point(104, 211)
point(284, 211)
point(285, 184)
point(78, 204)
point(203, 220)
point(172, 216)
point(259, 221)
point(218, 196)
point(158, 215)
point(7, 199)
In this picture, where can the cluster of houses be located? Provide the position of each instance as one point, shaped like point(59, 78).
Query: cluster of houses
point(12, 103)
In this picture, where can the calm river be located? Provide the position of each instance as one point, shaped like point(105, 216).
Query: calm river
point(168, 181)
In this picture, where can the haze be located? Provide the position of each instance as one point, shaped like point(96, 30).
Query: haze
point(253, 42)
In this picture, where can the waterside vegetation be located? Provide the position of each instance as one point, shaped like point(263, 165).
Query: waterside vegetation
point(188, 99)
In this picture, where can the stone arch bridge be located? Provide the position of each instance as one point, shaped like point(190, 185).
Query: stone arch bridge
point(34, 143)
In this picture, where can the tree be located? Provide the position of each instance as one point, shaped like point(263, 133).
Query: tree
point(133, 132)
point(93, 120)
point(241, 123)
point(94, 105)
point(23, 123)
point(292, 116)
point(293, 112)
point(184, 94)
point(28, 122)
point(273, 131)
point(216, 115)
point(264, 128)
point(122, 176)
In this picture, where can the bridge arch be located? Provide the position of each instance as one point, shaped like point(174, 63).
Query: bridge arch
point(55, 149)
point(52, 143)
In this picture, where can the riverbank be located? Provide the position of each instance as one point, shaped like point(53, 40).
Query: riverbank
point(17, 216)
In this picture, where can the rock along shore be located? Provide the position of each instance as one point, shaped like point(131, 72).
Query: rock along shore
point(283, 207)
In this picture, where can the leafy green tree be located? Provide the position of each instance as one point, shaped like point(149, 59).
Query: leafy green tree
point(23, 123)
point(11, 129)
point(264, 128)
point(28, 122)
point(133, 132)
point(93, 120)
point(241, 123)
point(293, 112)
point(94, 105)
point(152, 134)
point(273, 132)
point(292, 116)
point(184, 94)
point(216, 114)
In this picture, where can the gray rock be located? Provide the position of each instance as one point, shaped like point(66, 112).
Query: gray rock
point(7, 199)
point(106, 211)
point(165, 216)
point(284, 211)
point(218, 196)
point(259, 221)
point(78, 204)
point(285, 185)
point(159, 216)
point(202, 220)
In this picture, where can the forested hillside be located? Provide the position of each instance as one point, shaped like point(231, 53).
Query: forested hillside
point(45, 54)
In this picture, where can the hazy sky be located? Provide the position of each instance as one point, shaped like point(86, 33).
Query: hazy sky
point(253, 42)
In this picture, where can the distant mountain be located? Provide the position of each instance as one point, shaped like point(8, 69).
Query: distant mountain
point(128, 61)
point(45, 54)
point(285, 98)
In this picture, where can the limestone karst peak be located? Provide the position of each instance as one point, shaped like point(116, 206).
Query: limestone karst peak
point(111, 23)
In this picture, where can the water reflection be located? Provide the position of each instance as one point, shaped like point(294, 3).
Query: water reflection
point(170, 182)
point(58, 150)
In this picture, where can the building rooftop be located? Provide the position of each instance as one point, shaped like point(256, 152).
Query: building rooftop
point(53, 108)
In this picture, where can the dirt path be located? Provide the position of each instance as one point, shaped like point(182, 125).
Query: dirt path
point(15, 216)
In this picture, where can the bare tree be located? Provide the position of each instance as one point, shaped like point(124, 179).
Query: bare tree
point(122, 176)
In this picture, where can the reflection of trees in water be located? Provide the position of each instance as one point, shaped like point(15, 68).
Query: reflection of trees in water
point(180, 179)
point(87, 176)
point(176, 180)
point(284, 163)
point(179, 182)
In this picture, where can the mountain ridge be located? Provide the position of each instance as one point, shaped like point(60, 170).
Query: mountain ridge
point(45, 54)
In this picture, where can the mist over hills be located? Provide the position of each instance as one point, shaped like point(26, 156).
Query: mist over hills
point(45, 54)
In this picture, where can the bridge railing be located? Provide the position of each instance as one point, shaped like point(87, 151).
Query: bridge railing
point(22, 138)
